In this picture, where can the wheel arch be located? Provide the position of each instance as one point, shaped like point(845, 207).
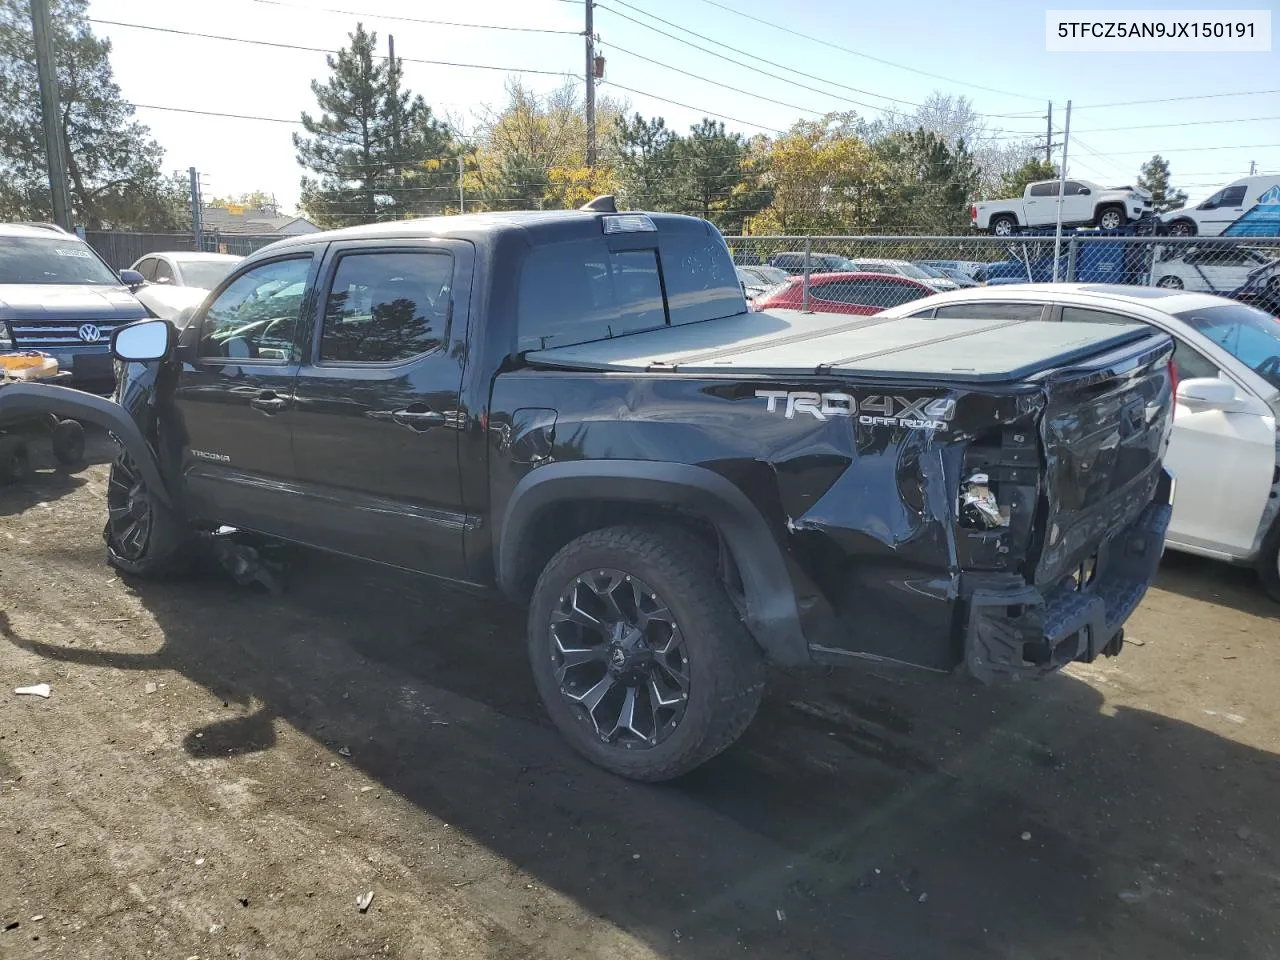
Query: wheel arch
point(556, 503)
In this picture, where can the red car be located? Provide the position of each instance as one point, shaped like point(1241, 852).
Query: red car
point(857, 293)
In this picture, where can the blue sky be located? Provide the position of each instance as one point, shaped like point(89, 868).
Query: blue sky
point(998, 45)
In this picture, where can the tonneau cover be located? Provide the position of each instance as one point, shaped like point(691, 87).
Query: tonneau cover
point(777, 342)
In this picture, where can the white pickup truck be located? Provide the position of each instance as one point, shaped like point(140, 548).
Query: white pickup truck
point(1083, 204)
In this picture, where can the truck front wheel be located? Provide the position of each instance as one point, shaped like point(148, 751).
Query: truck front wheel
point(1110, 218)
point(144, 537)
point(638, 654)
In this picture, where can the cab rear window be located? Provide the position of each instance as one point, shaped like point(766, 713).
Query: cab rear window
point(584, 290)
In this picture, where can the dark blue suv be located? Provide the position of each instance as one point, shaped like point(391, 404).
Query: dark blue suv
point(59, 297)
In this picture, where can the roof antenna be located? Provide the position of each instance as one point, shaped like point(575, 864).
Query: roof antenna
point(605, 203)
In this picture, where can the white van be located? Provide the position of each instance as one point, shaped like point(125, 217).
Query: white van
point(1220, 211)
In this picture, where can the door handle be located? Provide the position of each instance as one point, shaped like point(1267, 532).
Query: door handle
point(268, 402)
point(419, 418)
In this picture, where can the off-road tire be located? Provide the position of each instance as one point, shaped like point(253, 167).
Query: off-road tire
point(168, 546)
point(68, 443)
point(726, 668)
point(15, 462)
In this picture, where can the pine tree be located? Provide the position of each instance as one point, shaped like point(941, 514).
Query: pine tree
point(710, 169)
point(113, 165)
point(643, 152)
point(1154, 176)
point(369, 150)
point(1014, 184)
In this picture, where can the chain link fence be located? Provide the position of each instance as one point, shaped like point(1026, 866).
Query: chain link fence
point(867, 274)
point(123, 248)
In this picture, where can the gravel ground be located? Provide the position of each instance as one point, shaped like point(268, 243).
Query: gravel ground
point(221, 773)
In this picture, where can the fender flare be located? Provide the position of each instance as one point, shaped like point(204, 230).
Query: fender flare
point(20, 400)
point(772, 616)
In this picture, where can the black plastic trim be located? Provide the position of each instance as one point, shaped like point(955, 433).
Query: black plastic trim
point(772, 616)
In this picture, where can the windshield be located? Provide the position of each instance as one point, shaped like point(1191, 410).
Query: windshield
point(1248, 334)
point(56, 260)
point(771, 275)
point(914, 272)
point(205, 274)
point(931, 272)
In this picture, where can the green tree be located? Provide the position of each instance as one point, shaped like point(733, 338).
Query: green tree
point(518, 183)
point(926, 184)
point(113, 165)
point(710, 167)
point(1154, 176)
point(642, 153)
point(1014, 183)
point(368, 153)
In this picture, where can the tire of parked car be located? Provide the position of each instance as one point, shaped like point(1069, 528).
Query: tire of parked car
point(15, 463)
point(1003, 225)
point(1110, 218)
point(144, 537)
point(1170, 282)
point(1269, 563)
point(68, 442)
point(638, 654)
point(1183, 228)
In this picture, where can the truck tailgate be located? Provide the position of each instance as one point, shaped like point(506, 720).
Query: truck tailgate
point(1103, 434)
point(789, 343)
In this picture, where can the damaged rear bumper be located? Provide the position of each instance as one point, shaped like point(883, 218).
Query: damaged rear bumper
point(1012, 630)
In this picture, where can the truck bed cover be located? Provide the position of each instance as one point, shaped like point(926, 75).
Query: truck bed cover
point(781, 342)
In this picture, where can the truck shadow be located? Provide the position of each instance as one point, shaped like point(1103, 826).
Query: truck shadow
point(860, 815)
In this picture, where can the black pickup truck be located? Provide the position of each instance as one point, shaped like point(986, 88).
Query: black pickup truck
point(578, 408)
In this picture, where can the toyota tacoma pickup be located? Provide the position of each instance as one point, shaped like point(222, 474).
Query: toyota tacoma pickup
point(578, 409)
point(1084, 204)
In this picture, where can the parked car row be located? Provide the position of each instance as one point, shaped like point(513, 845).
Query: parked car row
point(59, 297)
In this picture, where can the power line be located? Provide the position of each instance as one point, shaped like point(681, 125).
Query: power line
point(772, 25)
point(212, 113)
point(294, 46)
point(695, 76)
point(1198, 96)
point(403, 19)
point(677, 103)
point(751, 66)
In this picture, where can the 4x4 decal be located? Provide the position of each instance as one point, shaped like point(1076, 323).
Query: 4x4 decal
point(876, 410)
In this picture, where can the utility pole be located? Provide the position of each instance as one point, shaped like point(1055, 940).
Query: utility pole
point(591, 85)
point(1048, 136)
point(197, 230)
point(55, 148)
point(1253, 167)
point(462, 184)
point(1062, 186)
point(394, 78)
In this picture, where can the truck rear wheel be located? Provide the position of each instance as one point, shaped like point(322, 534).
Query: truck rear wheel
point(1003, 225)
point(144, 537)
point(638, 654)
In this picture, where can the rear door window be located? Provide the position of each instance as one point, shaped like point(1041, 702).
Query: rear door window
point(386, 307)
point(1085, 315)
point(164, 273)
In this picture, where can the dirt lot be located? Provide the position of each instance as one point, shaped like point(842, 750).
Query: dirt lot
point(371, 732)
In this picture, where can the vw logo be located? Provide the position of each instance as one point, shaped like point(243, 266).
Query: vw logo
point(89, 333)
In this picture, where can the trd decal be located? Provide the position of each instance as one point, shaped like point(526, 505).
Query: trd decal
point(877, 410)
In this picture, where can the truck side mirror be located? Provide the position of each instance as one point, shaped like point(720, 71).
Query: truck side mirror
point(143, 340)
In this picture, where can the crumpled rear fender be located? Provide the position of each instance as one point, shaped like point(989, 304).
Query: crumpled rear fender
point(21, 400)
